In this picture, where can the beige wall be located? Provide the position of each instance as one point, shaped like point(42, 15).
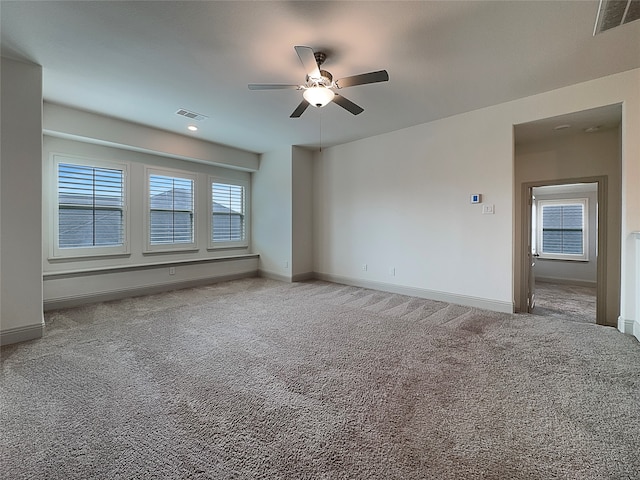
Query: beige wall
point(89, 127)
point(271, 212)
point(302, 205)
point(20, 202)
point(401, 200)
point(399, 203)
point(282, 223)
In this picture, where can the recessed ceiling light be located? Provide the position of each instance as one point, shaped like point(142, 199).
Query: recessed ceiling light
point(193, 128)
point(562, 127)
point(592, 129)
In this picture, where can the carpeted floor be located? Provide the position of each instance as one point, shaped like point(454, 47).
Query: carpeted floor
point(568, 302)
point(258, 379)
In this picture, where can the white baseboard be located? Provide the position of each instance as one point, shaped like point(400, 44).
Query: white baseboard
point(629, 327)
point(274, 276)
point(469, 301)
point(301, 277)
point(298, 277)
point(21, 334)
point(117, 294)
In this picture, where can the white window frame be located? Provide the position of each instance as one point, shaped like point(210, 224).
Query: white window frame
point(57, 252)
point(244, 243)
point(540, 204)
point(168, 247)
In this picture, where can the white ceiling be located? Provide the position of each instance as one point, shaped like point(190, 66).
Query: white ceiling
point(584, 122)
point(144, 60)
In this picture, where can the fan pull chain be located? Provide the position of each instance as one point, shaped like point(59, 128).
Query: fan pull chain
point(320, 129)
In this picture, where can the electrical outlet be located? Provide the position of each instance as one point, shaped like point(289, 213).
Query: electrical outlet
point(392, 271)
point(286, 264)
point(364, 267)
point(172, 270)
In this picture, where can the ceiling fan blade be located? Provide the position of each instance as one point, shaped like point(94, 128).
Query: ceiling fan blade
point(363, 78)
point(271, 86)
point(299, 109)
point(308, 60)
point(348, 105)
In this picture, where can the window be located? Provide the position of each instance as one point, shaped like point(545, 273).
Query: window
point(228, 226)
point(562, 229)
point(171, 207)
point(90, 208)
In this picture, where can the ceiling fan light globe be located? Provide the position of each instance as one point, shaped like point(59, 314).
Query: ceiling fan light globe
point(318, 96)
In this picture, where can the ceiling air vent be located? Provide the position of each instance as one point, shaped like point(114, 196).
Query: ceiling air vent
point(191, 115)
point(613, 13)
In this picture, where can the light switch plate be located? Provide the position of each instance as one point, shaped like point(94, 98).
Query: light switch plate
point(488, 209)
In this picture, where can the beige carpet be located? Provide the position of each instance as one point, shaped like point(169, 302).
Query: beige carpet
point(257, 379)
point(568, 302)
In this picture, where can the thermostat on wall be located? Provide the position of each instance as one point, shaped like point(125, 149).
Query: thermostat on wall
point(475, 198)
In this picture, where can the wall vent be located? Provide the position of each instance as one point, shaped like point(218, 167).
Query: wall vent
point(613, 13)
point(191, 115)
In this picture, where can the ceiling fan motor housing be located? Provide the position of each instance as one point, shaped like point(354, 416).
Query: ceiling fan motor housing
point(326, 78)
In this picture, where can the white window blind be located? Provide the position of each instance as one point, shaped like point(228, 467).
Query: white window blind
point(227, 213)
point(171, 213)
point(90, 206)
point(563, 229)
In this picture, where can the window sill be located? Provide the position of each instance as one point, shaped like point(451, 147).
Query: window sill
point(213, 248)
point(563, 259)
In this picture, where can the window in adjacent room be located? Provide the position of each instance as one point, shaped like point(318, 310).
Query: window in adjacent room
point(171, 210)
point(228, 222)
point(562, 229)
point(90, 208)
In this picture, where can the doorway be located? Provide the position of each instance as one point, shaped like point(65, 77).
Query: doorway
point(554, 153)
point(564, 251)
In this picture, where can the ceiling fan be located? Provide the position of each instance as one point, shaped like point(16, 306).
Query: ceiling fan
point(319, 88)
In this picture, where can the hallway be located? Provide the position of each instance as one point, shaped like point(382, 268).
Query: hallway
point(572, 302)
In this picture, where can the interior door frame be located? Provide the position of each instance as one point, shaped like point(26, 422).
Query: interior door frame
point(528, 253)
point(601, 250)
